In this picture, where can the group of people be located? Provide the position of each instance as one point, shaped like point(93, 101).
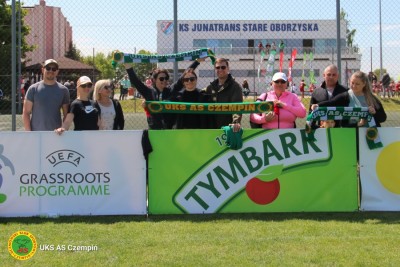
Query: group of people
point(224, 89)
point(392, 90)
point(47, 99)
point(331, 93)
point(287, 106)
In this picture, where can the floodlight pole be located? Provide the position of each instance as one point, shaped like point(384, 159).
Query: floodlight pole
point(338, 42)
point(380, 41)
point(175, 38)
point(13, 67)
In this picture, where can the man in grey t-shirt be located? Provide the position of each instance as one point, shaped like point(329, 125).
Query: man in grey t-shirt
point(44, 100)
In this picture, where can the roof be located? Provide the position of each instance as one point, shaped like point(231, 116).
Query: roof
point(64, 64)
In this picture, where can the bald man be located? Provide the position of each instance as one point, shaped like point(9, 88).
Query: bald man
point(329, 88)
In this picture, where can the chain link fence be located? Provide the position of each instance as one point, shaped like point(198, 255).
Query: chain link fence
point(81, 36)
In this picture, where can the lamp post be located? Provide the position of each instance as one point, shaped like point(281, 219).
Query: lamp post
point(380, 41)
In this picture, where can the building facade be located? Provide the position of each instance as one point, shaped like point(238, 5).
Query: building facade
point(239, 42)
point(50, 32)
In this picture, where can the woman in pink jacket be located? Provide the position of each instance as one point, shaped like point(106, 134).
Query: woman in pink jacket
point(287, 106)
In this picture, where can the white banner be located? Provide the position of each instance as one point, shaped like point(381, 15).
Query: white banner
point(78, 173)
point(379, 174)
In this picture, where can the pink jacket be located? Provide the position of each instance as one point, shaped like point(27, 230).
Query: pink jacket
point(287, 115)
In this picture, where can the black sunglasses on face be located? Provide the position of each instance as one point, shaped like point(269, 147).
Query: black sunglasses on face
point(107, 87)
point(163, 78)
point(280, 81)
point(51, 68)
point(220, 67)
point(191, 79)
point(86, 85)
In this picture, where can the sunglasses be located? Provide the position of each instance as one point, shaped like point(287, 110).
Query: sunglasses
point(107, 87)
point(191, 79)
point(51, 68)
point(280, 81)
point(163, 78)
point(86, 85)
point(220, 67)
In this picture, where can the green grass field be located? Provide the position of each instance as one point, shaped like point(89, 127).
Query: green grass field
point(276, 239)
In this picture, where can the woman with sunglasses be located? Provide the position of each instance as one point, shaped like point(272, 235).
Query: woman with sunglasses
point(110, 110)
point(82, 111)
point(287, 106)
point(189, 94)
point(159, 91)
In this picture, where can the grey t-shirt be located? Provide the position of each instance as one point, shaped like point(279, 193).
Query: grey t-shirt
point(47, 103)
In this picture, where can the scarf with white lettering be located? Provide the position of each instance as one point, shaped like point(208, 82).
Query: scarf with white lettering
point(346, 113)
point(120, 57)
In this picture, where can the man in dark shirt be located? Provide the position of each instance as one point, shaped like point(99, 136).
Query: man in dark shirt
point(385, 85)
point(330, 87)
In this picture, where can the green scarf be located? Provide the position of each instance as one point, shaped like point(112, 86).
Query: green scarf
point(347, 113)
point(233, 139)
point(120, 57)
point(209, 108)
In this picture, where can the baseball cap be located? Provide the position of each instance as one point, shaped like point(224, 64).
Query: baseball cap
point(279, 76)
point(50, 61)
point(83, 80)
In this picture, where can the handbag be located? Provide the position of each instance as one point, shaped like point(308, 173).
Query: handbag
point(254, 125)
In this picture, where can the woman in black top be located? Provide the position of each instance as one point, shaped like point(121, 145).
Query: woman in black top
point(190, 94)
point(159, 91)
point(82, 110)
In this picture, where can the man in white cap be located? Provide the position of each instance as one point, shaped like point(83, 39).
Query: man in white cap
point(44, 100)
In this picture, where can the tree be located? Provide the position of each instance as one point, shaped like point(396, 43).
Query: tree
point(5, 43)
point(73, 52)
point(350, 33)
point(377, 73)
point(101, 63)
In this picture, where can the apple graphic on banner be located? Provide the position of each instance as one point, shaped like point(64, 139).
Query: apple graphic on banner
point(264, 188)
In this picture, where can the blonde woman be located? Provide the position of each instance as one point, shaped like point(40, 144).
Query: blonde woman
point(110, 110)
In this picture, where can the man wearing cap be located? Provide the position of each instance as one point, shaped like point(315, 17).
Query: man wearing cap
point(44, 100)
point(329, 88)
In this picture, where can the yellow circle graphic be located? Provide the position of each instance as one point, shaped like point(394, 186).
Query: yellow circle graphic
point(386, 168)
point(22, 245)
point(155, 107)
point(264, 107)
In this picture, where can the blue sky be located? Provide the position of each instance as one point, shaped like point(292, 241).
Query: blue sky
point(131, 24)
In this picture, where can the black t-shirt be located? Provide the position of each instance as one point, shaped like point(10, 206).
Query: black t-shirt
point(85, 115)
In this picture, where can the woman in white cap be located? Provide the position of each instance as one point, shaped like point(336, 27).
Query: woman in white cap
point(287, 106)
point(82, 110)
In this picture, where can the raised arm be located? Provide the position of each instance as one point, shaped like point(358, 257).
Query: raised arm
point(137, 83)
